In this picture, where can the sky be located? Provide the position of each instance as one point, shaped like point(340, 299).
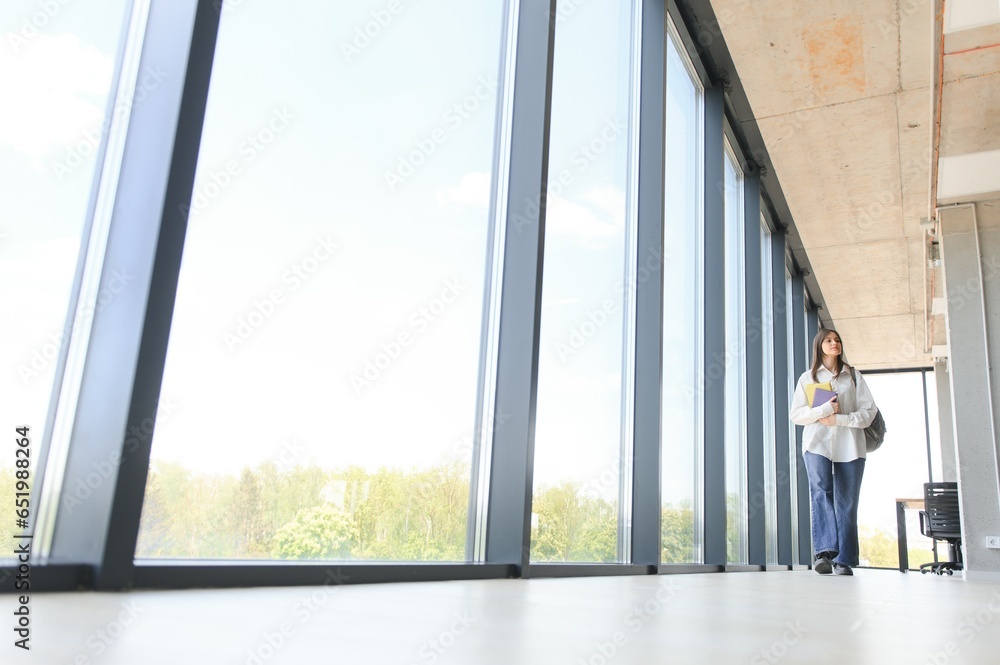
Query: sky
point(348, 369)
point(332, 214)
point(332, 286)
point(56, 67)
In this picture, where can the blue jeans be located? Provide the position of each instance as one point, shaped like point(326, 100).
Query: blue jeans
point(834, 489)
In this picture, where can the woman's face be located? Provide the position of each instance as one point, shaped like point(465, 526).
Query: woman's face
point(831, 345)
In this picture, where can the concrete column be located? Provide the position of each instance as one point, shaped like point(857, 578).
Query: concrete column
point(971, 252)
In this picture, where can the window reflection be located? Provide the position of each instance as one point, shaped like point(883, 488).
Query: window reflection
point(682, 517)
point(57, 76)
point(324, 349)
point(578, 435)
point(735, 365)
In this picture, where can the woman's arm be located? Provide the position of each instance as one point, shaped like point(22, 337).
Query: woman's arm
point(803, 414)
point(865, 411)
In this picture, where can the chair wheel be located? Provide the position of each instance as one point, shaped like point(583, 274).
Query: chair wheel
point(951, 572)
point(923, 571)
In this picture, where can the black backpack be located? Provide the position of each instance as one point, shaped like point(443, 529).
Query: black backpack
point(874, 433)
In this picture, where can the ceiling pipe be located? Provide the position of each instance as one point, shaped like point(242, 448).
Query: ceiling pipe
point(931, 234)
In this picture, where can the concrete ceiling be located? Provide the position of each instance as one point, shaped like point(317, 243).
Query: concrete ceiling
point(842, 93)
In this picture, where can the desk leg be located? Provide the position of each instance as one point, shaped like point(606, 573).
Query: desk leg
point(904, 559)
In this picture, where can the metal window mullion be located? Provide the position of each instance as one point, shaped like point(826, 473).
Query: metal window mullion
point(715, 330)
point(646, 499)
point(799, 354)
point(121, 380)
point(756, 503)
point(487, 418)
point(812, 327)
point(50, 467)
point(508, 526)
point(782, 400)
point(927, 427)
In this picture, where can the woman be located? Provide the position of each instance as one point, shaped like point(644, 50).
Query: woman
point(833, 447)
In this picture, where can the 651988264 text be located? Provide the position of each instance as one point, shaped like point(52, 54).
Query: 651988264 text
point(22, 548)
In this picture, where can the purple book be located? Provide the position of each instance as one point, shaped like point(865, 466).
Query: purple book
point(822, 396)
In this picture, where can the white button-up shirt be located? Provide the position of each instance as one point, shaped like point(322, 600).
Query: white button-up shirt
point(844, 441)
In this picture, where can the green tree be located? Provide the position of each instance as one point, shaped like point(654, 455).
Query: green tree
point(184, 514)
point(677, 532)
point(8, 489)
point(321, 532)
point(880, 549)
point(248, 518)
point(395, 514)
point(415, 515)
point(572, 527)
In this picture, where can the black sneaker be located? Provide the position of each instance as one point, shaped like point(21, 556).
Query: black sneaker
point(822, 563)
point(842, 569)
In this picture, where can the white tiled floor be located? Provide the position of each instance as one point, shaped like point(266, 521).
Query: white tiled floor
point(778, 617)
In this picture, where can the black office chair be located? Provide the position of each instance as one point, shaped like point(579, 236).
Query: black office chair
point(940, 520)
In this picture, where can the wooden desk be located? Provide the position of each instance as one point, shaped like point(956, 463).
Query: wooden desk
point(901, 505)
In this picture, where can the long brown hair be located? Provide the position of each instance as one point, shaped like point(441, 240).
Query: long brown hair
point(818, 352)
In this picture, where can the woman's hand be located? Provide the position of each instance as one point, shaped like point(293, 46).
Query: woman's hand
point(829, 421)
point(836, 406)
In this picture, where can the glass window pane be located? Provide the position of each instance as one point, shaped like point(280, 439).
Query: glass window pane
point(934, 427)
point(56, 71)
point(681, 446)
point(735, 407)
point(323, 362)
point(578, 434)
point(896, 470)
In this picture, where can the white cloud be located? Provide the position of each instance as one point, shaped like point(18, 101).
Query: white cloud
point(610, 200)
point(565, 216)
point(473, 189)
point(55, 89)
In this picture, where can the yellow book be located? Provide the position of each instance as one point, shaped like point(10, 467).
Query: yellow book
point(811, 390)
